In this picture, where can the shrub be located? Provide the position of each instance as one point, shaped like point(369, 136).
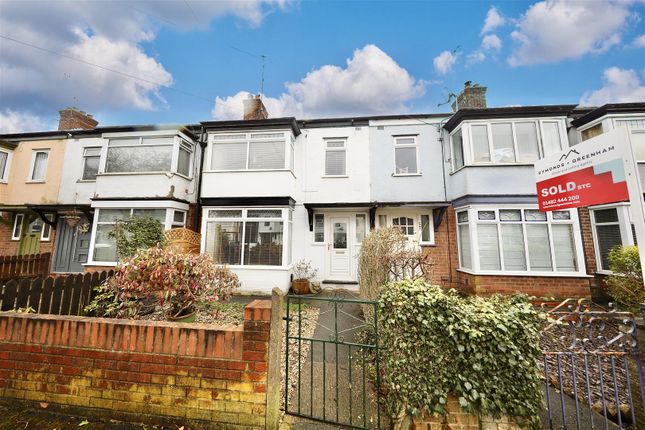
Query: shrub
point(484, 351)
point(625, 284)
point(178, 283)
point(386, 256)
point(137, 233)
point(304, 270)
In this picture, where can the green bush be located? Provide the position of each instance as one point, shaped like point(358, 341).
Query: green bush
point(484, 351)
point(137, 234)
point(625, 284)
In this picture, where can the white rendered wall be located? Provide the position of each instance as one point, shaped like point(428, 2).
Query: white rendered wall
point(73, 190)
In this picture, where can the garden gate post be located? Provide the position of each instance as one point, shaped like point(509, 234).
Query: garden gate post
point(274, 378)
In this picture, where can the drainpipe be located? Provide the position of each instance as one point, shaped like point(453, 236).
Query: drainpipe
point(198, 208)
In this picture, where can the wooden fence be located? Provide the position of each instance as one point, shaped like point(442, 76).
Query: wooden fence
point(24, 266)
point(64, 295)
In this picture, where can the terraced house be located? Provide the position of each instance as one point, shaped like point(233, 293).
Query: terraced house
point(267, 192)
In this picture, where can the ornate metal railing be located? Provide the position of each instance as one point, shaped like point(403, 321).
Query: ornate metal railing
point(592, 368)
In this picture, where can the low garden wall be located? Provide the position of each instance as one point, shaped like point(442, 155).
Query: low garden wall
point(157, 372)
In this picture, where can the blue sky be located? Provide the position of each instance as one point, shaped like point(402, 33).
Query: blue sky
point(324, 58)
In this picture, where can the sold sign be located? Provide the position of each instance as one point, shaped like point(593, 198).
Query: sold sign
point(587, 174)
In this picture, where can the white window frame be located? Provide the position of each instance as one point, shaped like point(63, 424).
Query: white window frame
point(167, 225)
point(46, 229)
point(34, 152)
point(414, 145)
point(172, 221)
point(4, 178)
point(286, 218)
point(313, 235)
point(247, 137)
point(416, 238)
point(178, 139)
point(468, 149)
point(624, 221)
point(327, 141)
point(473, 222)
point(461, 129)
point(19, 225)
point(85, 156)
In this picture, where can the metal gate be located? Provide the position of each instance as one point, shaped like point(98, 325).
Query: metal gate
point(331, 367)
point(592, 368)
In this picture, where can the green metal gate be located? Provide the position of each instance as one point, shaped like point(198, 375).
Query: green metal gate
point(331, 364)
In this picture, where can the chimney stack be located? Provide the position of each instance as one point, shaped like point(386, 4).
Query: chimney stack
point(471, 97)
point(254, 108)
point(74, 119)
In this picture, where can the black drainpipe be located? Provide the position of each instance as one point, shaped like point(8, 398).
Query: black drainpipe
point(198, 209)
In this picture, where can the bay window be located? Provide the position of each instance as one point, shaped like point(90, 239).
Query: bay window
point(505, 142)
point(247, 237)
point(250, 151)
point(611, 227)
point(162, 154)
point(519, 240)
point(104, 246)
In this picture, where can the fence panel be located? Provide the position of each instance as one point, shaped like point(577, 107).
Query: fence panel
point(24, 266)
point(64, 295)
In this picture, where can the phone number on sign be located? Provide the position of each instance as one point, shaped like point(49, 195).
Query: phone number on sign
point(566, 199)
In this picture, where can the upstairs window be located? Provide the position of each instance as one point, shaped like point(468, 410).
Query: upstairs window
point(4, 165)
point(594, 131)
point(249, 151)
point(335, 158)
point(507, 142)
point(149, 154)
point(405, 155)
point(39, 165)
point(457, 140)
point(91, 158)
point(636, 127)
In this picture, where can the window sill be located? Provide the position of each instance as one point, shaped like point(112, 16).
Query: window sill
point(134, 173)
point(406, 174)
point(334, 176)
point(248, 171)
point(100, 264)
point(492, 165)
point(427, 245)
point(83, 181)
point(277, 268)
point(526, 274)
point(35, 182)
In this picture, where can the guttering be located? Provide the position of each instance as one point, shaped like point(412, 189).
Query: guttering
point(253, 124)
point(610, 108)
point(507, 112)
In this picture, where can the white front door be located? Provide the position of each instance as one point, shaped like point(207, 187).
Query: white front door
point(340, 263)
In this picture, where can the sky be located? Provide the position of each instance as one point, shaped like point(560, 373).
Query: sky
point(185, 61)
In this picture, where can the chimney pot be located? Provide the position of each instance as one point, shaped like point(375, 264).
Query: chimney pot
point(73, 119)
point(471, 97)
point(254, 108)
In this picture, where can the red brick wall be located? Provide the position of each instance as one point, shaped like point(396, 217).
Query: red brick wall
point(445, 260)
point(157, 372)
point(7, 246)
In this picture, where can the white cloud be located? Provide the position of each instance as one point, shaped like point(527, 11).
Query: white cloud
point(110, 34)
point(493, 20)
point(619, 86)
point(443, 62)
point(371, 83)
point(19, 122)
point(475, 57)
point(639, 42)
point(491, 41)
point(554, 30)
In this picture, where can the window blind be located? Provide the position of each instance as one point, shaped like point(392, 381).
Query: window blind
point(503, 143)
point(3, 163)
point(527, 141)
point(488, 247)
point(513, 245)
point(335, 163)
point(564, 248)
point(551, 137)
point(266, 155)
point(481, 150)
point(537, 237)
point(464, 246)
point(229, 156)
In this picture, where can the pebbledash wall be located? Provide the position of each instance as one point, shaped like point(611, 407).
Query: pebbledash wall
point(158, 372)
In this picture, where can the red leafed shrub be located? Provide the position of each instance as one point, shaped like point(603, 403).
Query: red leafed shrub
point(176, 282)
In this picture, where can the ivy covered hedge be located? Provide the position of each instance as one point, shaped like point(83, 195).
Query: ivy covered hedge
point(484, 351)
